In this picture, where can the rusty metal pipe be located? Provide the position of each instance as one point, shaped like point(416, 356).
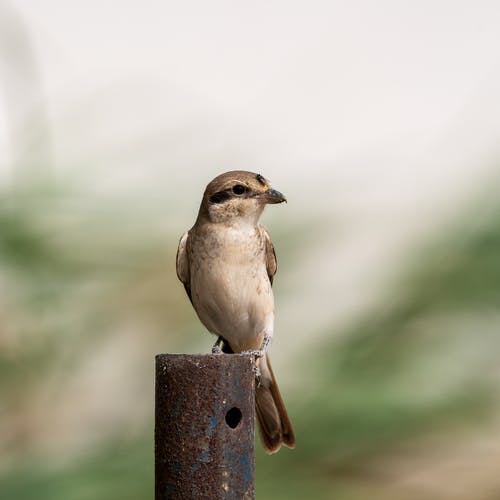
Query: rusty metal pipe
point(204, 426)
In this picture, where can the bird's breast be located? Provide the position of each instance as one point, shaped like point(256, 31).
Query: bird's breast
point(230, 287)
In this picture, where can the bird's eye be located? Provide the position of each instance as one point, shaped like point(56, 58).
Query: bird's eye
point(238, 189)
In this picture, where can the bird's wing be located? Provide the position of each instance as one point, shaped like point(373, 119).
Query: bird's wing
point(269, 254)
point(182, 263)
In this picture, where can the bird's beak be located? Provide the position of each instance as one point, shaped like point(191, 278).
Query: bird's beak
point(271, 196)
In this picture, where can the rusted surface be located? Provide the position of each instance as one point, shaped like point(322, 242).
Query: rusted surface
point(204, 426)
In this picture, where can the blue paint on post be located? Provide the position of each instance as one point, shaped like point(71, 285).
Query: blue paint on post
point(246, 468)
point(204, 456)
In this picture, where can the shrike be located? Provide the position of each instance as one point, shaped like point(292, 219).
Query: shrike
point(227, 262)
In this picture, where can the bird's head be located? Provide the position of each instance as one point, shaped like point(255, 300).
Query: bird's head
point(237, 197)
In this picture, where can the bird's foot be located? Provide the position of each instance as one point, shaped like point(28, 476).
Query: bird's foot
point(217, 347)
point(256, 371)
point(258, 353)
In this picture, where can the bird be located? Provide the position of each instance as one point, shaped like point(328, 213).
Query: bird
point(227, 263)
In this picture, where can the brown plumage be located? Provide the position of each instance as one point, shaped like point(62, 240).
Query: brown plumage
point(227, 262)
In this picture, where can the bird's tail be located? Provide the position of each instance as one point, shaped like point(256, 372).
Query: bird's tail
point(274, 425)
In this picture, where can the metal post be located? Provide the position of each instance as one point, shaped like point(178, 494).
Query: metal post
point(204, 426)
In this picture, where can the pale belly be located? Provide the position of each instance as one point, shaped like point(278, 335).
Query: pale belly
point(234, 300)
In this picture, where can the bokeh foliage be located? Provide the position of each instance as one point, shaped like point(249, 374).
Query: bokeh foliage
point(421, 362)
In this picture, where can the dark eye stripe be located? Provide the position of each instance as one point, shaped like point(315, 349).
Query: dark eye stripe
point(220, 197)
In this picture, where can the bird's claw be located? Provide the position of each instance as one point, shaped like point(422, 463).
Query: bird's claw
point(256, 371)
point(258, 353)
point(217, 347)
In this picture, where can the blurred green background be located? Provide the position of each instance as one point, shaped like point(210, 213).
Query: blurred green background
point(381, 124)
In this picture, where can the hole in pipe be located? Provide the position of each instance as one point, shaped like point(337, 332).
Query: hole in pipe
point(233, 417)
